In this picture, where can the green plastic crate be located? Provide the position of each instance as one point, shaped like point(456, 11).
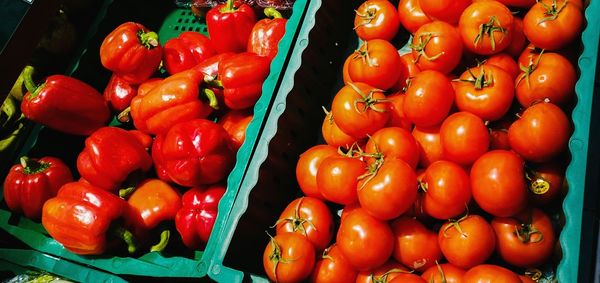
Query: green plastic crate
point(160, 16)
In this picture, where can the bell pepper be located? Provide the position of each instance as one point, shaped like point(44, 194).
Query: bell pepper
point(119, 93)
point(79, 218)
point(235, 124)
point(158, 159)
point(64, 104)
point(29, 184)
point(229, 26)
point(196, 218)
point(110, 156)
point(175, 99)
point(242, 77)
point(186, 51)
point(266, 34)
point(132, 52)
point(148, 85)
point(210, 69)
point(196, 153)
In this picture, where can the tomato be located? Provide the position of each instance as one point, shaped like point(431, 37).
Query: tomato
point(389, 190)
point(359, 110)
point(519, 41)
point(550, 76)
point(365, 241)
point(333, 135)
point(486, 91)
point(402, 82)
point(235, 123)
point(428, 98)
point(499, 135)
point(397, 117)
point(337, 178)
point(506, 63)
point(498, 183)
point(437, 46)
point(541, 133)
point(309, 217)
point(415, 245)
point(447, 190)
point(443, 273)
point(349, 208)
point(486, 27)
point(409, 61)
point(289, 257)
point(307, 166)
point(333, 267)
point(376, 19)
point(345, 73)
point(528, 56)
point(444, 10)
point(464, 138)
point(545, 182)
point(553, 24)
point(383, 274)
point(526, 240)
point(468, 241)
point(375, 63)
point(490, 273)
point(430, 146)
point(394, 142)
point(411, 15)
point(526, 279)
point(408, 278)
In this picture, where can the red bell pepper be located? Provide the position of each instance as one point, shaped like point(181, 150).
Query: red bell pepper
point(119, 93)
point(148, 85)
point(79, 218)
point(236, 123)
point(196, 218)
point(196, 153)
point(29, 184)
point(110, 155)
point(186, 51)
point(158, 159)
point(210, 69)
point(242, 77)
point(132, 52)
point(229, 26)
point(266, 34)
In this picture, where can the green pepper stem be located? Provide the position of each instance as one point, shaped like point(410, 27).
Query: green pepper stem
point(28, 79)
point(124, 193)
point(165, 235)
point(212, 98)
point(124, 116)
point(31, 166)
point(148, 39)
point(127, 237)
point(229, 7)
point(272, 13)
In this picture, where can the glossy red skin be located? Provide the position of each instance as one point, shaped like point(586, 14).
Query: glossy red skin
point(345, 73)
point(145, 139)
point(333, 135)
point(428, 99)
point(409, 61)
point(384, 25)
point(230, 30)
point(473, 247)
point(159, 160)
point(541, 133)
point(444, 10)
point(242, 76)
point(448, 190)
point(265, 36)
point(194, 153)
point(430, 145)
point(334, 268)
point(119, 93)
point(360, 123)
point(186, 51)
point(153, 202)
point(554, 174)
point(451, 274)
point(210, 67)
point(307, 167)
point(479, 13)
point(553, 34)
point(196, 218)
point(498, 183)
point(318, 228)
point(62, 217)
point(148, 85)
point(445, 40)
point(124, 54)
point(297, 258)
point(397, 116)
point(402, 82)
point(490, 273)
point(385, 273)
point(337, 178)
point(505, 62)
point(382, 72)
point(394, 142)
point(411, 15)
point(499, 139)
point(408, 278)
point(236, 123)
point(105, 165)
point(519, 41)
point(26, 191)
point(415, 246)
point(464, 138)
point(67, 105)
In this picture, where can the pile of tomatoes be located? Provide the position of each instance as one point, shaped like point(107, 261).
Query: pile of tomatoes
point(446, 159)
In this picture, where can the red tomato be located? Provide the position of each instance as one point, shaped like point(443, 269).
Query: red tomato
point(333, 135)
point(519, 41)
point(498, 183)
point(309, 217)
point(365, 241)
point(307, 166)
point(545, 182)
point(415, 245)
point(411, 15)
point(345, 73)
point(553, 24)
point(235, 124)
point(349, 208)
point(486, 27)
point(359, 110)
point(430, 146)
point(448, 190)
point(337, 177)
point(408, 278)
point(528, 56)
point(289, 257)
point(402, 82)
point(394, 142)
point(376, 19)
point(409, 61)
point(437, 46)
point(428, 98)
point(541, 133)
point(444, 10)
point(375, 63)
point(464, 138)
point(397, 117)
point(443, 273)
point(505, 62)
point(385, 273)
point(499, 135)
point(526, 279)
point(490, 273)
point(468, 241)
point(333, 267)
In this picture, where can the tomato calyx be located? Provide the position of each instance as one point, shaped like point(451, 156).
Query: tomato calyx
point(525, 233)
point(534, 273)
point(276, 256)
point(488, 29)
point(297, 221)
point(441, 271)
point(383, 277)
point(423, 186)
point(537, 184)
point(420, 48)
point(367, 17)
point(456, 225)
point(528, 70)
point(552, 11)
point(367, 100)
point(364, 55)
point(328, 115)
point(374, 167)
point(326, 255)
point(147, 39)
point(480, 81)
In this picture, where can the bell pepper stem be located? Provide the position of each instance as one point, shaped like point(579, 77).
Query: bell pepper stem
point(31, 166)
point(212, 98)
point(165, 235)
point(213, 81)
point(124, 116)
point(148, 39)
point(272, 13)
point(124, 193)
point(229, 7)
point(127, 237)
point(28, 79)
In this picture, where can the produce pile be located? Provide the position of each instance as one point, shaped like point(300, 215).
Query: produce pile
point(447, 162)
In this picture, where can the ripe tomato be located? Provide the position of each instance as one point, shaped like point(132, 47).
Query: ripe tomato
point(415, 245)
point(490, 273)
point(307, 166)
point(444, 10)
point(443, 273)
point(345, 73)
point(333, 135)
point(526, 279)
point(553, 24)
point(519, 41)
point(464, 138)
point(486, 27)
point(337, 177)
point(428, 98)
point(437, 46)
point(486, 91)
point(499, 135)
point(359, 110)
point(541, 133)
point(402, 82)
point(468, 241)
point(365, 241)
point(385, 273)
point(411, 15)
point(375, 63)
point(408, 278)
point(376, 19)
point(333, 267)
point(394, 142)
point(289, 257)
point(430, 146)
point(397, 117)
point(448, 190)
point(550, 76)
point(526, 240)
point(309, 217)
point(505, 62)
point(349, 208)
point(409, 61)
point(235, 124)
point(545, 182)
point(498, 183)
